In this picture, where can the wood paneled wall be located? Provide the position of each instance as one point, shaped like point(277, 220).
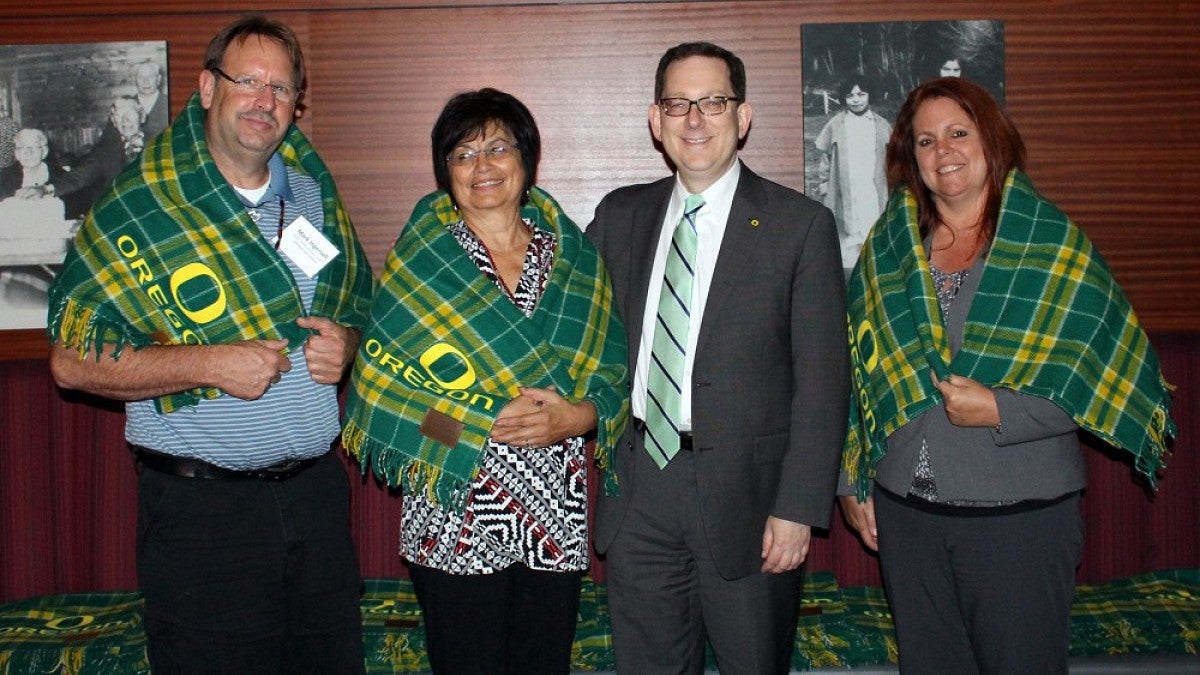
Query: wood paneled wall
point(1106, 93)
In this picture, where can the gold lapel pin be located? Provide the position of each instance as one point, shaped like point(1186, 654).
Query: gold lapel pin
point(754, 222)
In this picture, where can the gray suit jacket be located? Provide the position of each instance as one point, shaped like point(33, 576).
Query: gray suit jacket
point(771, 375)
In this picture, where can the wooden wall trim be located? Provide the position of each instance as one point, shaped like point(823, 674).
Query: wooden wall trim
point(17, 345)
point(78, 8)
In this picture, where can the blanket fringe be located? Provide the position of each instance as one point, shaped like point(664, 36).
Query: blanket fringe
point(608, 473)
point(84, 330)
point(87, 332)
point(399, 471)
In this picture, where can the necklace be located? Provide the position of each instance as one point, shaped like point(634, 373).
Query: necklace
point(947, 285)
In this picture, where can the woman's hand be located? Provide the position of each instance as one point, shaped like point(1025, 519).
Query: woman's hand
point(968, 403)
point(861, 517)
point(539, 417)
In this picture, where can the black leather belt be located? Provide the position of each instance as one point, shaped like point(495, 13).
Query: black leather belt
point(188, 467)
point(685, 437)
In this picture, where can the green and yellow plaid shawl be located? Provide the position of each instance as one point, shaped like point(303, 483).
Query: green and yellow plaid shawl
point(1048, 320)
point(169, 255)
point(444, 338)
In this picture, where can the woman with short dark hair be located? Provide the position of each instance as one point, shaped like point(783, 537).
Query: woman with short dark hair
point(494, 350)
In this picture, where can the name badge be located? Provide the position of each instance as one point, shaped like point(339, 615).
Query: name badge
point(304, 245)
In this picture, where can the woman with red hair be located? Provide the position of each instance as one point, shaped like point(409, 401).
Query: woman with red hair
point(985, 332)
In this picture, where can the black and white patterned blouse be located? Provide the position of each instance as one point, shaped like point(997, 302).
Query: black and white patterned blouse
point(528, 505)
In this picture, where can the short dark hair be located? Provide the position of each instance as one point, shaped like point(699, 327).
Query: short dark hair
point(737, 69)
point(261, 26)
point(467, 115)
point(847, 83)
point(943, 59)
point(1002, 146)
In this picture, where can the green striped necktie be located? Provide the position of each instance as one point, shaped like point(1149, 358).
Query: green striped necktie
point(668, 353)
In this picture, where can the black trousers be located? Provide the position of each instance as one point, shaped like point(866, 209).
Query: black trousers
point(980, 593)
point(250, 576)
point(516, 621)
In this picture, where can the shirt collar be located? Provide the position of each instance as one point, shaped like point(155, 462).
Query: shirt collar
point(719, 193)
point(279, 181)
point(278, 186)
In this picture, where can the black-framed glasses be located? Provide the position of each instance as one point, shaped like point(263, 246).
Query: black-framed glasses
point(498, 151)
point(283, 93)
point(709, 105)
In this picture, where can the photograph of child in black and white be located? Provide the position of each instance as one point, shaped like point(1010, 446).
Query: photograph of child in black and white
point(855, 77)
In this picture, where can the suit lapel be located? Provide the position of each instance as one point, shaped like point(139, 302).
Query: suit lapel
point(645, 227)
point(737, 247)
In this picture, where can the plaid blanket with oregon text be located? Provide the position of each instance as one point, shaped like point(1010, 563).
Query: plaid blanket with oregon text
point(1048, 320)
point(170, 256)
point(444, 338)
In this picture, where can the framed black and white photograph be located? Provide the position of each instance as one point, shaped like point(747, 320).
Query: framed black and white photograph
point(856, 76)
point(71, 117)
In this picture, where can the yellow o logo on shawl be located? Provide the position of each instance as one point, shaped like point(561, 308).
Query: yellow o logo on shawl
point(449, 356)
point(192, 271)
point(865, 341)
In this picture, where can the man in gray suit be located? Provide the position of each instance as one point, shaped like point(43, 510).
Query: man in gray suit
point(732, 461)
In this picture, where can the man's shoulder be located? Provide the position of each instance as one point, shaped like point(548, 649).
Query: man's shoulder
point(621, 204)
point(772, 194)
point(639, 192)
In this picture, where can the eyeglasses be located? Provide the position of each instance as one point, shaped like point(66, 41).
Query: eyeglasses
point(248, 85)
point(709, 105)
point(496, 152)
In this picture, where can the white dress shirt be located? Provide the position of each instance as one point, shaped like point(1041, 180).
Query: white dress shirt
point(710, 230)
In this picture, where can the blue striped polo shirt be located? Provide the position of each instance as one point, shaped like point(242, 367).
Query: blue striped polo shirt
point(296, 418)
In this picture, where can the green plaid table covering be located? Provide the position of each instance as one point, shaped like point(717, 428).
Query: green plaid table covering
point(82, 634)
point(1157, 613)
point(828, 634)
point(838, 629)
point(393, 638)
point(868, 628)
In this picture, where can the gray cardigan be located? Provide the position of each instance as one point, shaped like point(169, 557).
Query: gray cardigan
point(1035, 456)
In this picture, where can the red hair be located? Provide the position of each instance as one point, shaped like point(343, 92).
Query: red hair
point(1002, 146)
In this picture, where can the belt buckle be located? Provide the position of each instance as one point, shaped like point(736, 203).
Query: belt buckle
point(278, 471)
